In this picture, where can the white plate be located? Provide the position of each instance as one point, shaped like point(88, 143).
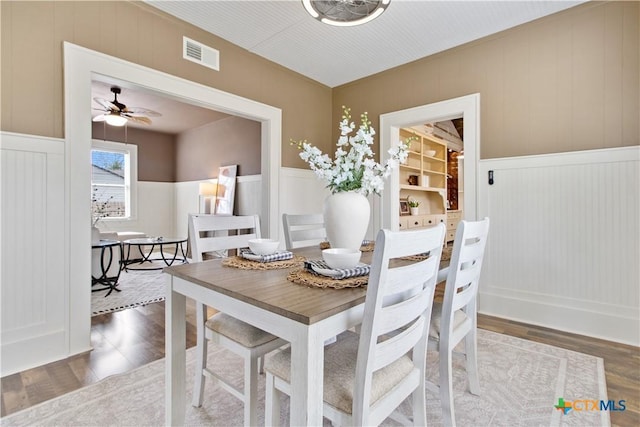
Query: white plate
point(330, 272)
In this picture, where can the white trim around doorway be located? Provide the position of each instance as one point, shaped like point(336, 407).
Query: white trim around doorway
point(467, 107)
point(81, 66)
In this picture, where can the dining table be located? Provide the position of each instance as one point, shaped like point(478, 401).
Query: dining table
point(305, 316)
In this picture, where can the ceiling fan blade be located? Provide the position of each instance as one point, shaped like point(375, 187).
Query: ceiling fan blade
point(107, 105)
point(138, 112)
point(100, 118)
point(139, 119)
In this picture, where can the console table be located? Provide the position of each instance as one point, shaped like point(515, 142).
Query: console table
point(146, 248)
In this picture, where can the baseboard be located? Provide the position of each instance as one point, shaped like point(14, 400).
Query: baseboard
point(606, 326)
point(25, 354)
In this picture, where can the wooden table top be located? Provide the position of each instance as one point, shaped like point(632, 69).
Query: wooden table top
point(270, 289)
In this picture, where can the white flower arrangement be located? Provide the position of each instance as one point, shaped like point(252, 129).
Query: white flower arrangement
point(355, 169)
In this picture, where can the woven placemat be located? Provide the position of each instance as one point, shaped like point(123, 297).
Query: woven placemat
point(368, 247)
point(446, 255)
point(247, 264)
point(304, 277)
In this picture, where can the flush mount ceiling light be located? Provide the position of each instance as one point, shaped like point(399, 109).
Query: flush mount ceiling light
point(345, 13)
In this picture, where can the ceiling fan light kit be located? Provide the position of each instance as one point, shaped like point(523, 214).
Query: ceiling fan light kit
point(115, 119)
point(117, 114)
point(345, 13)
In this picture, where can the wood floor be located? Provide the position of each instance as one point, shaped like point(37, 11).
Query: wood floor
point(128, 339)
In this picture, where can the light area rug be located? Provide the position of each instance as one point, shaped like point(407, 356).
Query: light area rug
point(137, 288)
point(520, 381)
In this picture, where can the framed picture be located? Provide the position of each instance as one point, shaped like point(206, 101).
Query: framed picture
point(226, 189)
point(404, 207)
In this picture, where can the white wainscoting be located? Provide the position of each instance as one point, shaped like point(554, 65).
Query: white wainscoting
point(156, 211)
point(247, 200)
point(301, 192)
point(35, 281)
point(563, 249)
point(34, 302)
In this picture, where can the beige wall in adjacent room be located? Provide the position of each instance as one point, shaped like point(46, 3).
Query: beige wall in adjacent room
point(231, 141)
point(193, 155)
point(566, 82)
point(32, 34)
point(156, 150)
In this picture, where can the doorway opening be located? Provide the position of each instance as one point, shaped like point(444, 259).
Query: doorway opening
point(466, 108)
point(83, 65)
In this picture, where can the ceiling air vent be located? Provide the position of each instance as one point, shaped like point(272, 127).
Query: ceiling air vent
point(203, 55)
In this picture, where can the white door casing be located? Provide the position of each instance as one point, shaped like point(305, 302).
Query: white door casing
point(81, 66)
point(467, 107)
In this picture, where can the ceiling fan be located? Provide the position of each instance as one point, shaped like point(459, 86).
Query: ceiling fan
point(117, 114)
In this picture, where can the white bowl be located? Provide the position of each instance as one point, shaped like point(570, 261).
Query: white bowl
point(263, 246)
point(341, 258)
point(430, 153)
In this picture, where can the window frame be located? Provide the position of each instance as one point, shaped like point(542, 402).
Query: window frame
point(130, 179)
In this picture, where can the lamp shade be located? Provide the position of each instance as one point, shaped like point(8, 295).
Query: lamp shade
point(208, 189)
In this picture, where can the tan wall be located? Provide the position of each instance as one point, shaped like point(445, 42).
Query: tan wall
point(232, 141)
point(156, 150)
point(32, 75)
point(566, 82)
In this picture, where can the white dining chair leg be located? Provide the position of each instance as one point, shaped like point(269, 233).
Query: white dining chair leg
point(446, 384)
point(420, 393)
point(471, 350)
point(272, 406)
point(250, 390)
point(420, 407)
point(201, 356)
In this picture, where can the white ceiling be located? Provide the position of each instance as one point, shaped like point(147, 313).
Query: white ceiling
point(282, 32)
point(176, 116)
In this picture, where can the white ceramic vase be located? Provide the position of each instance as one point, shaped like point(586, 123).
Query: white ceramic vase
point(346, 219)
point(414, 211)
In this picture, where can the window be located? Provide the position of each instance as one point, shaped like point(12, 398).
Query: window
point(114, 177)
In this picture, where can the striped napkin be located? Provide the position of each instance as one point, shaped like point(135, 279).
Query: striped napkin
point(319, 266)
point(278, 256)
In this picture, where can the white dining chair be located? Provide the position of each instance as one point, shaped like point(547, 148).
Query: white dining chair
point(212, 234)
point(302, 230)
point(368, 375)
point(455, 318)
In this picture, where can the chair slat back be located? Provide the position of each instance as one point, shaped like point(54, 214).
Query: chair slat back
point(303, 230)
point(210, 233)
point(398, 301)
point(396, 278)
point(464, 270)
